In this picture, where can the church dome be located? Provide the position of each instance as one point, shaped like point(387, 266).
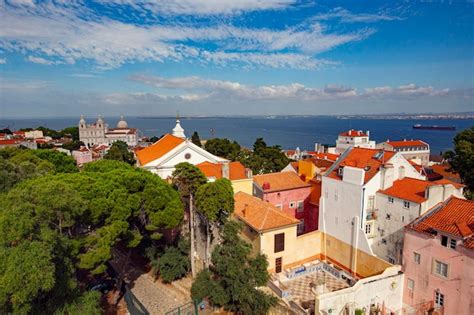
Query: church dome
point(178, 131)
point(122, 123)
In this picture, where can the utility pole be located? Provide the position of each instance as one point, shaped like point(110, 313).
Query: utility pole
point(191, 223)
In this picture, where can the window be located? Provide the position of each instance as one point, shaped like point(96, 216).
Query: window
point(416, 258)
point(391, 260)
point(444, 241)
point(279, 242)
point(390, 199)
point(300, 206)
point(369, 228)
point(452, 243)
point(406, 204)
point(439, 299)
point(371, 203)
point(300, 229)
point(410, 284)
point(292, 204)
point(441, 269)
point(278, 264)
point(401, 172)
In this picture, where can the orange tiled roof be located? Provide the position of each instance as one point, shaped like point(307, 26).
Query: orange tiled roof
point(8, 141)
point(327, 156)
point(412, 189)
point(280, 181)
point(454, 216)
point(353, 133)
point(407, 143)
point(260, 215)
point(366, 159)
point(320, 163)
point(443, 170)
point(236, 170)
point(158, 149)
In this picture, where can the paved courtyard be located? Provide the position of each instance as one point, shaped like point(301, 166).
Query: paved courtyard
point(300, 288)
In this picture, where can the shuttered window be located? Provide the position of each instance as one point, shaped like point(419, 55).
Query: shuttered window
point(279, 242)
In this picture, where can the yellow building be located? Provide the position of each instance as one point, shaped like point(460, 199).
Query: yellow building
point(316, 272)
point(240, 177)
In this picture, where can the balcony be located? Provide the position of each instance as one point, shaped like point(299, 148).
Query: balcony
point(371, 215)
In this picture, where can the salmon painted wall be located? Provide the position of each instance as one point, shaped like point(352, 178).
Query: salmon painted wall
point(285, 197)
point(457, 288)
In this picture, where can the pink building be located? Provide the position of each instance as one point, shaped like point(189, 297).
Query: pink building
point(438, 259)
point(82, 156)
point(287, 191)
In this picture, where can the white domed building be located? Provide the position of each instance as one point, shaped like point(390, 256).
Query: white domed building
point(100, 133)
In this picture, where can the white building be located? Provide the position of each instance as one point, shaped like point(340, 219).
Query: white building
point(34, 134)
point(353, 138)
point(348, 193)
point(415, 150)
point(100, 133)
point(400, 204)
point(162, 156)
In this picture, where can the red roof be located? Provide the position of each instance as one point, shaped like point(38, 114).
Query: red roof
point(8, 142)
point(19, 133)
point(236, 170)
point(369, 159)
point(261, 215)
point(353, 133)
point(327, 156)
point(407, 143)
point(412, 189)
point(455, 216)
point(279, 181)
point(158, 149)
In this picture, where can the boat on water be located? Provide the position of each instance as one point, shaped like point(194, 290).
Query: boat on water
point(433, 127)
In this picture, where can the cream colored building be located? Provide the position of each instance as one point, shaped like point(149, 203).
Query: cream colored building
point(316, 272)
point(100, 133)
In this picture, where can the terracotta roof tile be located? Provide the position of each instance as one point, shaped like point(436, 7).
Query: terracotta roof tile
point(454, 216)
point(407, 143)
point(158, 149)
point(236, 170)
point(443, 170)
point(260, 215)
point(412, 189)
point(365, 159)
point(280, 181)
point(8, 142)
point(353, 133)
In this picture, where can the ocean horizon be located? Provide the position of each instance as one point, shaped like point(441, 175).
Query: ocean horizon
point(287, 131)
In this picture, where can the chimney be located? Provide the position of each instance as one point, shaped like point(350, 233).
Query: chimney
point(266, 186)
point(368, 133)
point(225, 170)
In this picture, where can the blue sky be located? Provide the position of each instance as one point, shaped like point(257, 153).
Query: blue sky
point(216, 57)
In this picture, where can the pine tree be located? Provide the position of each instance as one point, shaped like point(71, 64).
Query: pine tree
point(195, 139)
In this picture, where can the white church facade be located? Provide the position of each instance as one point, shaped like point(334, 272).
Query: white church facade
point(162, 156)
point(100, 133)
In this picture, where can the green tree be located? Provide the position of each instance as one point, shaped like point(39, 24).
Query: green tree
point(62, 162)
point(72, 132)
point(222, 147)
point(155, 138)
point(462, 159)
point(174, 264)
point(6, 130)
point(73, 145)
point(234, 277)
point(259, 145)
point(195, 139)
point(52, 224)
point(215, 200)
point(264, 159)
point(187, 178)
point(119, 152)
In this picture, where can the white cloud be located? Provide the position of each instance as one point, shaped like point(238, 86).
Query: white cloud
point(41, 60)
point(202, 7)
point(222, 90)
point(69, 32)
point(3, 61)
point(348, 17)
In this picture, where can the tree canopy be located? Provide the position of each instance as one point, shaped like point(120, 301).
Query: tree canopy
point(462, 159)
point(17, 165)
point(232, 281)
point(223, 148)
point(119, 152)
point(195, 139)
point(215, 200)
point(187, 178)
point(264, 159)
point(53, 224)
